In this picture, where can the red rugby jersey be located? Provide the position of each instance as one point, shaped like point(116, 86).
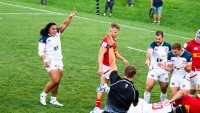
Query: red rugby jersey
point(194, 48)
point(104, 43)
point(192, 104)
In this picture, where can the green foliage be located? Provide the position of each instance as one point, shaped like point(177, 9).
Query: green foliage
point(23, 76)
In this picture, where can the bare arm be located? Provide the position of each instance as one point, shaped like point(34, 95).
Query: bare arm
point(148, 56)
point(118, 56)
point(188, 67)
point(67, 21)
point(151, 3)
point(112, 57)
point(102, 51)
point(177, 96)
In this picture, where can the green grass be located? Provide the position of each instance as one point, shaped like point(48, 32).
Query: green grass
point(23, 76)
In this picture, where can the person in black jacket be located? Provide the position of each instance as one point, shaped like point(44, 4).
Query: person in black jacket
point(122, 91)
point(109, 3)
point(157, 8)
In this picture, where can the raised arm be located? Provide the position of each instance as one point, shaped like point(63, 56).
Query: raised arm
point(112, 58)
point(67, 21)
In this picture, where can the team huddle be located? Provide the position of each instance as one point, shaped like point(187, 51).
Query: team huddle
point(162, 59)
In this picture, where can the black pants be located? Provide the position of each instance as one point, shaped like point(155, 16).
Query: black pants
point(110, 5)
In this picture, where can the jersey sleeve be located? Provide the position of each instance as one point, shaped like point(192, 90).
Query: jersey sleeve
point(136, 98)
point(169, 56)
point(114, 77)
point(104, 43)
point(186, 46)
point(152, 45)
point(189, 57)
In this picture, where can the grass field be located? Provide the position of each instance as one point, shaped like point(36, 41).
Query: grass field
point(23, 76)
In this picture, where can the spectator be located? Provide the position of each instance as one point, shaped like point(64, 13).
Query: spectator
point(109, 3)
point(130, 3)
point(157, 8)
point(43, 2)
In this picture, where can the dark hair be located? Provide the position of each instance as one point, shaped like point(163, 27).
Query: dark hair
point(129, 72)
point(45, 31)
point(158, 33)
point(180, 109)
point(176, 46)
point(114, 25)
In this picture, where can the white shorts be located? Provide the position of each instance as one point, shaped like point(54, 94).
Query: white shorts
point(54, 64)
point(182, 83)
point(194, 79)
point(106, 72)
point(162, 77)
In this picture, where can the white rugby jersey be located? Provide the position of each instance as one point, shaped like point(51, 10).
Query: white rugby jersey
point(179, 63)
point(144, 107)
point(159, 54)
point(52, 48)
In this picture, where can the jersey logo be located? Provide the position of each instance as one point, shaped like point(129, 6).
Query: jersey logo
point(126, 86)
point(195, 48)
point(197, 55)
point(104, 44)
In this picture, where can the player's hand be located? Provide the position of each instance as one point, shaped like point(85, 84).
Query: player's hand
point(73, 13)
point(147, 62)
point(108, 0)
point(110, 39)
point(126, 62)
point(100, 72)
point(162, 65)
point(46, 63)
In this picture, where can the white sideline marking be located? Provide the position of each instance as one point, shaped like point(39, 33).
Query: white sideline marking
point(142, 29)
point(28, 14)
point(137, 49)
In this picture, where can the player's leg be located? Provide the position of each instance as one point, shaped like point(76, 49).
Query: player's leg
point(163, 82)
point(111, 7)
point(54, 90)
point(106, 9)
point(174, 85)
point(150, 82)
point(159, 14)
point(154, 14)
point(102, 88)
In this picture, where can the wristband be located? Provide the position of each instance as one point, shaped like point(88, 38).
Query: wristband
point(110, 46)
point(45, 60)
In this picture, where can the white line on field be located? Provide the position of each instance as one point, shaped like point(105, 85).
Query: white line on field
point(137, 49)
point(29, 14)
point(142, 29)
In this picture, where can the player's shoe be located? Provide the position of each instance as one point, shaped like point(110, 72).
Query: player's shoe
point(103, 88)
point(43, 100)
point(97, 110)
point(55, 102)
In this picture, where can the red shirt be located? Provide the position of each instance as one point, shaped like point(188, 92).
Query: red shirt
point(192, 104)
point(194, 48)
point(104, 43)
